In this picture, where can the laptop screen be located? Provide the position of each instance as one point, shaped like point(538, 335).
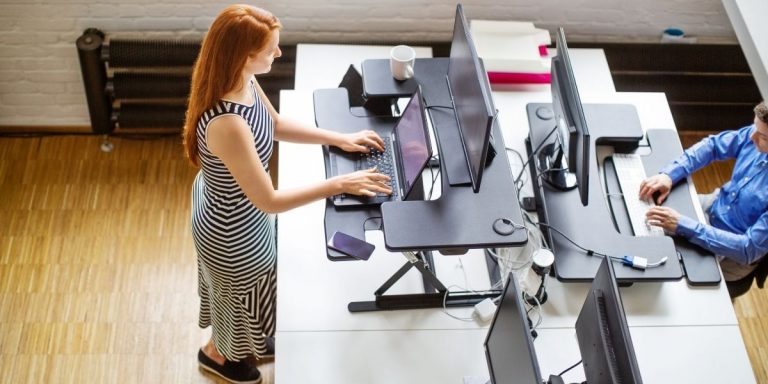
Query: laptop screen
point(412, 142)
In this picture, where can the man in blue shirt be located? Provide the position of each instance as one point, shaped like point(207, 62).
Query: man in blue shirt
point(737, 213)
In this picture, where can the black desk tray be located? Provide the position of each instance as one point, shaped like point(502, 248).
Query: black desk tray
point(459, 219)
point(593, 227)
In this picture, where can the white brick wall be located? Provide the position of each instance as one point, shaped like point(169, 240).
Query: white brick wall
point(40, 81)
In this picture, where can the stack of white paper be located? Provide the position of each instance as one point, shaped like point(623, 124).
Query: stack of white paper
point(512, 51)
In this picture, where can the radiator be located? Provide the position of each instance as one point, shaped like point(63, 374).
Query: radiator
point(133, 85)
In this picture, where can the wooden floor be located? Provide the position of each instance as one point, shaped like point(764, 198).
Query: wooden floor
point(97, 265)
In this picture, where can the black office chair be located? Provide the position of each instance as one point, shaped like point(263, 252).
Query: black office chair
point(359, 105)
point(741, 286)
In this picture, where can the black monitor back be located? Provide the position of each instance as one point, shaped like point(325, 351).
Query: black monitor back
point(569, 115)
point(603, 335)
point(471, 97)
point(509, 347)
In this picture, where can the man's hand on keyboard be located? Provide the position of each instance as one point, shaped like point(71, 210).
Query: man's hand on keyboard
point(664, 217)
point(360, 141)
point(660, 183)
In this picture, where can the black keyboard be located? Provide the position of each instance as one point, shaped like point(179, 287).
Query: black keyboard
point(383, 162)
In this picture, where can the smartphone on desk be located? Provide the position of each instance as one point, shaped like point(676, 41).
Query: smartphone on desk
point(351, 246)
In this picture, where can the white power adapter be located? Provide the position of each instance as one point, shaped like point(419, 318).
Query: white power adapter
point(485, 310)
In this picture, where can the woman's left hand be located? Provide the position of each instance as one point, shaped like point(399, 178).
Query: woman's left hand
point(664, 217)
point(361, 141)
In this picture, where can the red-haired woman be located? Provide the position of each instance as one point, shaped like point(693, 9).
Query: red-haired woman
point(228, 133)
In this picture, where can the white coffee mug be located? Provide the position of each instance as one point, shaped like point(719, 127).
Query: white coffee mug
point(401, 60)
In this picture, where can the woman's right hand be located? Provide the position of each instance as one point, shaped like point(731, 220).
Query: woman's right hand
point(660, 183)
point(366, 182)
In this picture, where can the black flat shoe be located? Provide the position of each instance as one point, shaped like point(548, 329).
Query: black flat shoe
point(238, 372)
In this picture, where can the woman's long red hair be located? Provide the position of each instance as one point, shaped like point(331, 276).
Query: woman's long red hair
point(239, 30)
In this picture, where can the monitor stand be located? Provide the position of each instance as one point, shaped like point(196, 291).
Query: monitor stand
point(555, 171)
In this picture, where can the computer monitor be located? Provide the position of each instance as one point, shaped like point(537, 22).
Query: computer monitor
point(471, 98)
point(509, 347)
point(572, 138)
point(603, 335)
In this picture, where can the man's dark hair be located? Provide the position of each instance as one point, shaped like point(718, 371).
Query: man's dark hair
point(761, 111)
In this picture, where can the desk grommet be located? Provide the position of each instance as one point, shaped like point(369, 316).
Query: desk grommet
point(505, 227)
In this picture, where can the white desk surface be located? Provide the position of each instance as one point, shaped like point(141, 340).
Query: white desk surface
point(680, 333)
point(748, 20)
point(323, 65)
point(594, 75)
point(711, 354)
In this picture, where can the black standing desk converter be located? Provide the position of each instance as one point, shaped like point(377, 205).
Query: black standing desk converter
point(459, 219)
point(599, 225)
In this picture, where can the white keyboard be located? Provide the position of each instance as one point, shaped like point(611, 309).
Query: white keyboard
point(630, 172)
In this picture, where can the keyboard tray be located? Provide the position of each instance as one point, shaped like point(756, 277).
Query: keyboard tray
point(700, 265)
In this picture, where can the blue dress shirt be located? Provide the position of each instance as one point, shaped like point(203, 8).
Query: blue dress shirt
point(739, 215)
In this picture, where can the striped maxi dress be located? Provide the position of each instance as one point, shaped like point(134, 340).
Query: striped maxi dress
point(235, 243)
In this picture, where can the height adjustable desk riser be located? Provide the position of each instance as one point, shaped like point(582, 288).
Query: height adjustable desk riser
point(458, 220)
point(592, 226)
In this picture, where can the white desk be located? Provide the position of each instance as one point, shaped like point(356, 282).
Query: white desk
point(594, 74)
point(323, 65)
point(748, 20)
point(664, 355)
point(681, 334)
